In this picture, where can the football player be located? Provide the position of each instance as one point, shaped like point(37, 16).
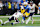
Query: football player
point(32, 11)
point(39, 8)
point(25, 10)
point(15, 17)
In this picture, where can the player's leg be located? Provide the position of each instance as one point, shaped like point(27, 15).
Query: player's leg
point(6, 21)
point(32, 20)
point(32, 17)
point(27, 20)
point(23, 19)
point(1, 21)
point(12, 18)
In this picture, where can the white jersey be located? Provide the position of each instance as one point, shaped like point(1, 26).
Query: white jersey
point(32, 8)
point(17, 14)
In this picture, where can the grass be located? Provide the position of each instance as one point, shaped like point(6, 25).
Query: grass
point(36, 22)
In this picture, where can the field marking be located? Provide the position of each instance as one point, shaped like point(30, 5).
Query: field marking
point(28, 26)
point(10, 16)
point(33, 16)
point(30, 20)
point(19, 26)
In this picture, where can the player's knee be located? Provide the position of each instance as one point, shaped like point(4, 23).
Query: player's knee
point(9, 19)
point(12, 18)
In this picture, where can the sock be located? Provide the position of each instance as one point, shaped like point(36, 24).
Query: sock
point(32, 20)
point(1, 21)
point(22, 21)
point(6, 22)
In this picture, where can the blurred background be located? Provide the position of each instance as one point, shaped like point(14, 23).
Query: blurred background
point(7, 6)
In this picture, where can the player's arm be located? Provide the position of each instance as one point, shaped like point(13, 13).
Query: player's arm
point(36, 6)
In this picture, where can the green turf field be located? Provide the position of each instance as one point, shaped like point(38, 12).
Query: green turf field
point(36, 22)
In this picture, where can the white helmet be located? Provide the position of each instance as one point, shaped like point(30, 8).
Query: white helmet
point(31, 1)
point(39, 3)
point(25, 3)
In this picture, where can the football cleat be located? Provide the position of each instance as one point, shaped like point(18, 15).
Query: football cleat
point(11, 23)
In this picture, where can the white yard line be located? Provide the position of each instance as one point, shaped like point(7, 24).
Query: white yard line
point(33, 16)
point(28, 26)
point(10, 16)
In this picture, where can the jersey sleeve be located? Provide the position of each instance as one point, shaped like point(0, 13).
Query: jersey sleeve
point(27, 7)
